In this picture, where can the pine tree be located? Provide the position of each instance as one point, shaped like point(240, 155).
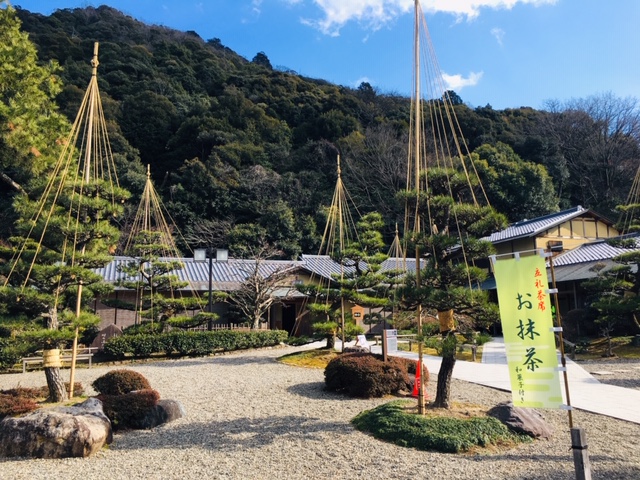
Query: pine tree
point(59, 239)
point(50, 268)
point(449, 280)
point(31, 128)
point(155, 280)
point(360, 282)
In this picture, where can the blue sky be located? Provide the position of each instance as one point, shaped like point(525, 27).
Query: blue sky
point(506, 53)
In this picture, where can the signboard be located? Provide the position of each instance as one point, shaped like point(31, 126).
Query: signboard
point(391, 340)
point(527, 326)
point(362, 341)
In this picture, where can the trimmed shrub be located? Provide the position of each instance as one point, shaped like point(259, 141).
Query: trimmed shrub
point(298, 341)
point(27, 392)
point(120, 382)
point(364, 375)
point(128, 410)
point(16, 405)
point(191, 343)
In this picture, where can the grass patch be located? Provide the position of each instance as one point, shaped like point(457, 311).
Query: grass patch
point(317, 358)
point(461, 354)
point(596, 349)
point(463, 429)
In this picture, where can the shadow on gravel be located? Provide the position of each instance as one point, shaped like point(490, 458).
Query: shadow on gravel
point(222, 360)
point(621, 382)
point(314, 391)
point(246, 359)
point(232, 435)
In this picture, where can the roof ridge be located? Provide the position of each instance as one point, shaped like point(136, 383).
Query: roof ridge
point(562, 213)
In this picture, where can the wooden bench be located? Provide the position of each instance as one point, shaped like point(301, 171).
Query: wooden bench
point(84, 354)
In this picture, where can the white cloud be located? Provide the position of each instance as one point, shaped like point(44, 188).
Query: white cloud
point(471, 8)
point(374, 14)
point(458, 82)
point(498, 33)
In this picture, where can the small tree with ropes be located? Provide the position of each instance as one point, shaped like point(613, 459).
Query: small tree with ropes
point(155, 279)
point(45, 277)
point(65, 235)
point(360, 282)
point(448, 278)
point(616, 291)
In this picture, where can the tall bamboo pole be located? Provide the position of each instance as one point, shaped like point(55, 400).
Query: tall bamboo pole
point(86, 178)
point(418, 164)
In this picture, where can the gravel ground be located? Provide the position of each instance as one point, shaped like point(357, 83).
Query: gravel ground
point(614, 371)
point(249, 416)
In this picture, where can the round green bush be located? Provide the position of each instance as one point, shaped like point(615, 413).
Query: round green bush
point(120, 382)
point(364, 375)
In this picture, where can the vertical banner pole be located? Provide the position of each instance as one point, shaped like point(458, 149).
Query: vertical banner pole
point(578, 435)
point(563, 359)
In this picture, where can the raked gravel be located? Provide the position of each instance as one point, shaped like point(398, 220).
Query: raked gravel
point(251, 417)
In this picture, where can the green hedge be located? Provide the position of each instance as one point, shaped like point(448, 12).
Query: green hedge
point(191, 343)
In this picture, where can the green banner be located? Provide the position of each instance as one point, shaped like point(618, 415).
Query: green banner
point(527, 326)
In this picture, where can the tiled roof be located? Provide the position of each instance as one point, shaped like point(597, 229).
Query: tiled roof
point(529, 228)
point(593, 252)
point(577, 264)
point(228, 275)
point(325, 267)
point(225, 275)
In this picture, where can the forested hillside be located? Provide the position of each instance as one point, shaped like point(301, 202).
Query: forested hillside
point(247, 152)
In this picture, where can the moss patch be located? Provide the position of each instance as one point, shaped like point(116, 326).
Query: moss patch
point(464, 428)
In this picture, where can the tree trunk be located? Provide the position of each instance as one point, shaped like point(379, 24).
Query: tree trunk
point(443, 391)
point(609, 346)
point(55, 383)
point(331, 342)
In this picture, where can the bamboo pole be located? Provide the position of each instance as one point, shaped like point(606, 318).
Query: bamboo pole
point(579, 444)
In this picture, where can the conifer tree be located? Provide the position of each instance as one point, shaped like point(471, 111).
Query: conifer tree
point(449, 279)
point(361, 281)
point(47, 265)
point(49, 269)
point(157, 285)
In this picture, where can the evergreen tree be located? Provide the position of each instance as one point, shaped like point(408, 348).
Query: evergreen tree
point(31, 129)
point(49, 269)
point(448, 281)
point(616, 292)
point(61, 238)
point(361, 282)
point(157, 285)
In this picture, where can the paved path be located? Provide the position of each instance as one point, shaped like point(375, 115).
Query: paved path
point(585, 392)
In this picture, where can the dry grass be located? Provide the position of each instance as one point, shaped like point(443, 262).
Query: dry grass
point(597, 349)
point(317, 358)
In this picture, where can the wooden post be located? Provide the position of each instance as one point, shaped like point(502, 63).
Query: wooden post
point(384, 345)
point(580, 454)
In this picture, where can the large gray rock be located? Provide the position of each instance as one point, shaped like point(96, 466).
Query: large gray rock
point(522, 420)
point(164, 411)
point(76, 431)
